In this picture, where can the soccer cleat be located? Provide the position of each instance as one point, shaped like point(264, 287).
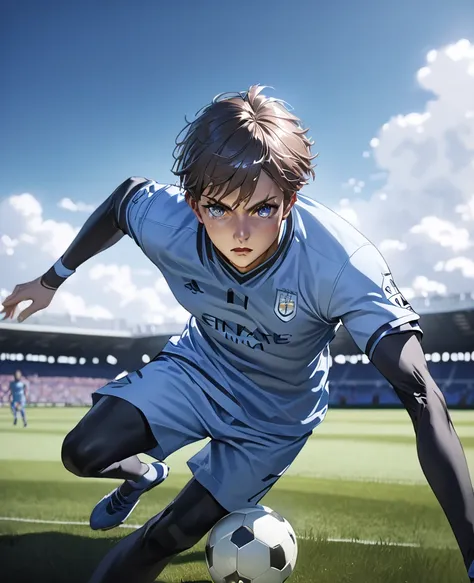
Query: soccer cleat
point(114, 509)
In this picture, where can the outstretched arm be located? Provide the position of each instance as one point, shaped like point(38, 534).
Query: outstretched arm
point(105, 227)
point(400, 359)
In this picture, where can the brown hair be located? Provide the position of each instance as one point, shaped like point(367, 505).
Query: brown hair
point(235, 137)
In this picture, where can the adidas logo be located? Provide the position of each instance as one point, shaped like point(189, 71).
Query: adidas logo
point(193, 287)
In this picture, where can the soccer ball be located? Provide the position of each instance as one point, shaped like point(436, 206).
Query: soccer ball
point(251, 545)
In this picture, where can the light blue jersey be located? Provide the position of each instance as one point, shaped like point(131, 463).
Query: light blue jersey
point(18, 402)
point(260, 340)
point(17, 390)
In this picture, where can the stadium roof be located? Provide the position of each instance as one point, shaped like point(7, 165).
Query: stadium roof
point(451, 331)
point(117, 327)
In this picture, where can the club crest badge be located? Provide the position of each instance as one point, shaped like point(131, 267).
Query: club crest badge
point(392, 293)
point(285, 304)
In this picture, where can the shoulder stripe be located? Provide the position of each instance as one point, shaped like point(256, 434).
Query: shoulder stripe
point(393, 327)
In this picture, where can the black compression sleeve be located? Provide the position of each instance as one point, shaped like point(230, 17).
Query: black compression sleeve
point(400, 358)
point(103, 228)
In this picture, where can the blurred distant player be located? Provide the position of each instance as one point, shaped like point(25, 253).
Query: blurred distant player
point(19, 394)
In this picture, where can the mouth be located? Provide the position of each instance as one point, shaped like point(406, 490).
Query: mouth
point(241, 250)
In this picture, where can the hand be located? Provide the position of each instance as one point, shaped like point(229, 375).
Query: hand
point(39, 295)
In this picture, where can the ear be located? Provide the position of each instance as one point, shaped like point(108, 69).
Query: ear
point(194, 206)
point(289, 205)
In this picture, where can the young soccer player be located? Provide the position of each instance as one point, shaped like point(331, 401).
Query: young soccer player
point(19, 394)
point(268, 275)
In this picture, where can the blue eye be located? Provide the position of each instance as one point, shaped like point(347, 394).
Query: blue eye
point(265, 211)
point(216, 211)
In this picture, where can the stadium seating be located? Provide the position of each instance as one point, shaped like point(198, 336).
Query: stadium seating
point(350, 385)
point(359, 385)
point(69, 390)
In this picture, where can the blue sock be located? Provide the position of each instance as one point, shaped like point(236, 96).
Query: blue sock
point(23, 416)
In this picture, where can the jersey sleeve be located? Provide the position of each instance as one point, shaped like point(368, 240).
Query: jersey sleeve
point(367, 301)
point(157, 217)
point(133, 211)
point(142, 206)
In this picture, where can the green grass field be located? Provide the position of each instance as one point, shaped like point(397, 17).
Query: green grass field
point(358, 479)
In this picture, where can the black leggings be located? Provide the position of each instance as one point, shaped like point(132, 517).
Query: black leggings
point(106, 441)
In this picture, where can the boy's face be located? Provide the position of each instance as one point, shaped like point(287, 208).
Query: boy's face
point(248, 234)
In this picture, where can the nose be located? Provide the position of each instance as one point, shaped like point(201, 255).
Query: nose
point(241, 229)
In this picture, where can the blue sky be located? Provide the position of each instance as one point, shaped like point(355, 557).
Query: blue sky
point(94, 91)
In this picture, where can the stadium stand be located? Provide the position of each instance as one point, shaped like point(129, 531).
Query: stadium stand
point(55, 390)
point(66, 359)
point(358, 385)
point(361, 385)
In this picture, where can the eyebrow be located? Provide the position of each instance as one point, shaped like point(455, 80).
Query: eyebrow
point(257, 204)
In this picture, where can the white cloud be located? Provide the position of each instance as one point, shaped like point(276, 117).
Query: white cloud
point(426, 197)
point(466, 210)
point(348, 212)
point(21, 221)
point(462, 264)
point(355, 185)
point(443, 232)
point(391, 245)
point(75, 305)
point(70, 205)
point(7, 245)
point(30, 243)
point(155, 301)
point(422, 286)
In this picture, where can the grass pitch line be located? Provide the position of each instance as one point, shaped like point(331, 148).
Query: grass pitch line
point(135, 526)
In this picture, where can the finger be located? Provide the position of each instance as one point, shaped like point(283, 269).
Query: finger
point(16, 289)
point(14, 298)
point(31, 309)
point(18, 297)
point(6, 306)
point(8, 312)
point(9, 308)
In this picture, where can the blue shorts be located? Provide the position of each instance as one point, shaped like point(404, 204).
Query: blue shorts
point(239, 464)
point(18, 402)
